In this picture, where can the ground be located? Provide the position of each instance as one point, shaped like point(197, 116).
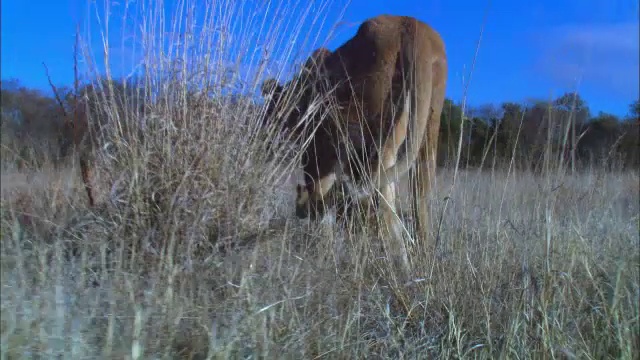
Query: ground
point(525, 265)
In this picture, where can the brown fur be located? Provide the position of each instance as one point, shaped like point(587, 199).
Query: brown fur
point(76, 131)
point(388, 85)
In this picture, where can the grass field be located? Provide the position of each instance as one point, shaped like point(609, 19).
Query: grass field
point(315, 290)
point(518, 264)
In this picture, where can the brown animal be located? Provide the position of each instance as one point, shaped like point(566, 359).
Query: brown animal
point(75, 134)
point(88, 118)
point(387, 88)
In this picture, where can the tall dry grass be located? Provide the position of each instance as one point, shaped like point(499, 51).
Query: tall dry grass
point(194, 252)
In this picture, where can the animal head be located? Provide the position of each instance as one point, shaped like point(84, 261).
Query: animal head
point(308, 205)
point(311, 197)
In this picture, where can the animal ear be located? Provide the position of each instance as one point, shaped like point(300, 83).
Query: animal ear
point(316, 59)
point(270, 86)
point(319, 55)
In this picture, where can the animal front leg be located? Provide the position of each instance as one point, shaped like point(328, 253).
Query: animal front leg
point(311, 197)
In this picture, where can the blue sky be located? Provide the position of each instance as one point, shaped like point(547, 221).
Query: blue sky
point(535, 49)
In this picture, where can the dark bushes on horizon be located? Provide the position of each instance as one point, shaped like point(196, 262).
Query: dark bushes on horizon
point(493, 135)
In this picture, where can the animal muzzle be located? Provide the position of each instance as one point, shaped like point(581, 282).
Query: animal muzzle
point(302, 210)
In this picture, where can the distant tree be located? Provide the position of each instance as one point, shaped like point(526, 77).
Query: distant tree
point(30, 120)
point(35, 126)
point(629, 143)
point(450, 127)
point(487, 112)
point(600, 135)
point(571, 112)
point(572, 104)
point(508, 129)
point(634, 109)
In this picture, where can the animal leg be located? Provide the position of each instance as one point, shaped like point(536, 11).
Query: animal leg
point(386, 171)
point(395, 247)
point(387, 191)
point(425, 170)
point(418, 100)
point(307, 202)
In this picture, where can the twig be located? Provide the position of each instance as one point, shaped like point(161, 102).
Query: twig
point(55, 90)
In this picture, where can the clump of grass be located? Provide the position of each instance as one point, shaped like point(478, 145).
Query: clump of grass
point(193, 252)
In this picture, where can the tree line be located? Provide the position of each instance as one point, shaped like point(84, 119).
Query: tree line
point(525, 135)
point(533, 134)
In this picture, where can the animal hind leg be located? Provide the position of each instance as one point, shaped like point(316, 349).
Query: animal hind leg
point(387, 161)
point(417, 103)
point(423, 174)
point(395, 248)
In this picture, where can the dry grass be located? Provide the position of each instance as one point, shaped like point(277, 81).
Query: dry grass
point(311, 289)
point(526, 266)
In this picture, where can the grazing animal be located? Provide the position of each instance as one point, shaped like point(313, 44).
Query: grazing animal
point(381, 93)
point(83, 127)
point(75, 133)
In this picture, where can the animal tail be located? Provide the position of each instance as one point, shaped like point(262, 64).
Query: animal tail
point(417, 93)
